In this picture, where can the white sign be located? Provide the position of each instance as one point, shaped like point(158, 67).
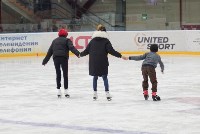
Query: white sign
point(123, 41)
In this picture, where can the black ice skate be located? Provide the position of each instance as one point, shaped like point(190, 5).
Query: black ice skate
point(146, 94)
point(146, 97)
point(156, 98)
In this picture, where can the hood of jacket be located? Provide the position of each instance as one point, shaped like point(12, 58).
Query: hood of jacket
point(101, 34)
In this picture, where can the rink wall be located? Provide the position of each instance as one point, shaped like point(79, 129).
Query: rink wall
point(127, 42)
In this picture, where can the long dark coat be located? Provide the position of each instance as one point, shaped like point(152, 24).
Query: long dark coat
point(98, 49)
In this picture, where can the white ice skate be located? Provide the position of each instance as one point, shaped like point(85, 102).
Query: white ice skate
point(108, 96)
point(59, 94)
point(66, 93)
point(95, 95)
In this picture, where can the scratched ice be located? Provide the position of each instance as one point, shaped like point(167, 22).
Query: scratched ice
point(28, 102)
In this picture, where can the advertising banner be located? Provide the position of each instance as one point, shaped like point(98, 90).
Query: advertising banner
point(169, 42)
point(24, 44)
point(141, 40)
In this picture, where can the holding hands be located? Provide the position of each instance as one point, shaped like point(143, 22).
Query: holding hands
point(124, 57)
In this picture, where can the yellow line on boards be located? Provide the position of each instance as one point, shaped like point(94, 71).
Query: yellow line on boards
point(167, 53)
point(127, 53)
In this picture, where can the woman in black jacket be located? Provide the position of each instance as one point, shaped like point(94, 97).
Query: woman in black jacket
point(98, 49)
point(60, 48)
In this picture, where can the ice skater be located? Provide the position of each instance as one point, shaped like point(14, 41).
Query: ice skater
point(151, 59)
point(60, 48)
point(98, 49)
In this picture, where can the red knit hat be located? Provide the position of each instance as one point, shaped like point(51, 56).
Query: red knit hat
point(63, 32)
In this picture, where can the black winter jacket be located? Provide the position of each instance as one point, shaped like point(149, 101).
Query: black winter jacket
point(60, 47)
point(98, 49)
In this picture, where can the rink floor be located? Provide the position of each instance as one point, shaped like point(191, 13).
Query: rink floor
point(29, 105)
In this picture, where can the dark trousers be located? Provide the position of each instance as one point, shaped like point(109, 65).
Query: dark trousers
point(105, 80)
point(61, 62)
point(149, 71)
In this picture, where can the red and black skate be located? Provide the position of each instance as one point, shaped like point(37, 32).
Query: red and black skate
point(156, 98)
point(146, 94)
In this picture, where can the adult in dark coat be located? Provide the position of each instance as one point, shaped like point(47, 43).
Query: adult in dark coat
point(60, 48)
point(98, 49)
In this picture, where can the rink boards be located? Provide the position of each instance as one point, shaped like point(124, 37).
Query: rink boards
point(185, 42)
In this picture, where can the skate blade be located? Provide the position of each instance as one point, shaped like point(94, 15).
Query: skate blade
point(156, 99)
point(67, 96)
point(109, 98)
point(94, 98)
point(146, 97)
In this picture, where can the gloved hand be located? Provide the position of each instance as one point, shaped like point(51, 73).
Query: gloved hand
point(43, 63)
point(162, 71)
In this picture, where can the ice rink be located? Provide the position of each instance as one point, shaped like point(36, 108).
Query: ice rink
point(29, 105)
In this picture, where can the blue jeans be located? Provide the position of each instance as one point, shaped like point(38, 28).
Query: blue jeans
point(105, 80)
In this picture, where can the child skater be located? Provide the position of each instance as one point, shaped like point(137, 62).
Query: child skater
point(98, 49)
point(151, 59)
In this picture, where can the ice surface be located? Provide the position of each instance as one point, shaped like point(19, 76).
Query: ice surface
point(29, 105)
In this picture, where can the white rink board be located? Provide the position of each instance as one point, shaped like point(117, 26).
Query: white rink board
point(193, 40)
point(123, 41)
